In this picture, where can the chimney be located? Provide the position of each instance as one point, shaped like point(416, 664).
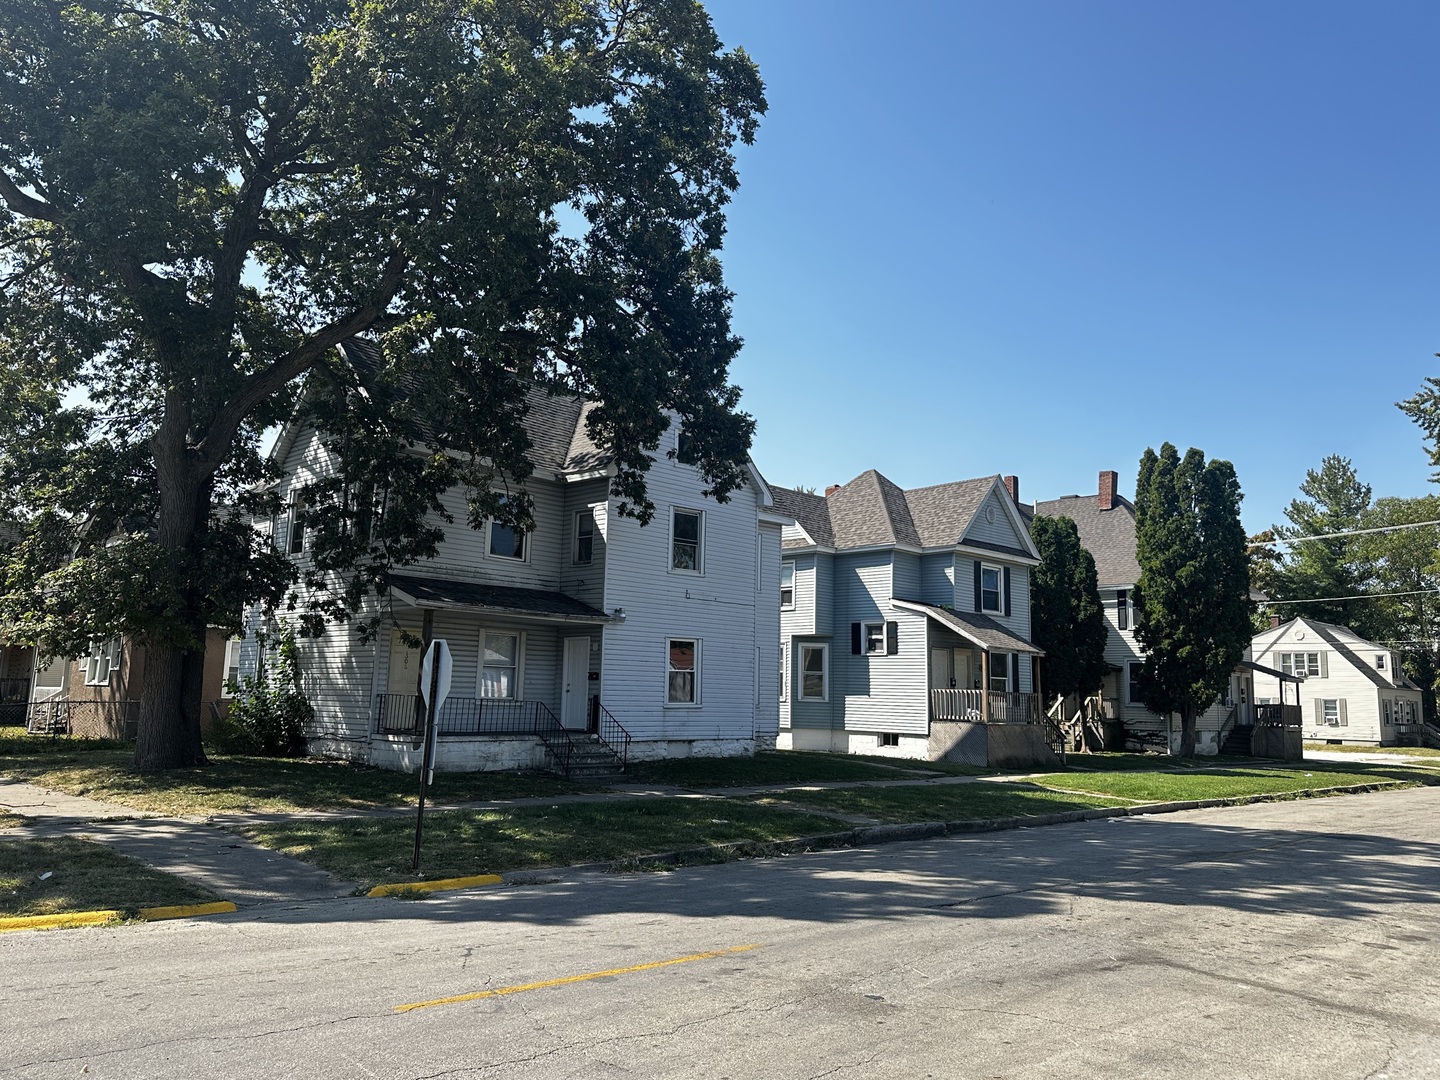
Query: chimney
point(832, 489)
point(1108, 481)
point(1274, 622)
point(1012, 485)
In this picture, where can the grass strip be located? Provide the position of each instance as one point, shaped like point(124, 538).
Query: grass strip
point(1220, 783)
point(782, 767)
point(83, 876)
point(461, 843)
point(102, 770)
point(1398, 751)
point(960, 802)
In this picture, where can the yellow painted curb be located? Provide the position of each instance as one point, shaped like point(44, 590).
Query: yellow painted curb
point(55, 922)
point(98, 918)
point(185, 911)
point(440, 885)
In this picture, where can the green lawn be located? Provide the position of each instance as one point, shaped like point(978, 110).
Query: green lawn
point(102, 771)
point(464, 842)
point(958, 802)
point(782, 767)
point(84, 876)
point(1219, 783)
point(1399, 751)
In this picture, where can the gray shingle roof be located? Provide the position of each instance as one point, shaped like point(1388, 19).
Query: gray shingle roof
point(981, 629)
point(554, 422)
point(1109, 535)
point(495, 598)
point(811, 513)
point(1331, 634)
point(873, 511)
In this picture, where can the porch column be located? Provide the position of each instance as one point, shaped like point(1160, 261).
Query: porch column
point(985, 686)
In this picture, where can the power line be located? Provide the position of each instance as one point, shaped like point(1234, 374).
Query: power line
point(1337, 535)
point(1362, 596)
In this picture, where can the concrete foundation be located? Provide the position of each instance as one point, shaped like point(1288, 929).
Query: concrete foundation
point(1002, 746)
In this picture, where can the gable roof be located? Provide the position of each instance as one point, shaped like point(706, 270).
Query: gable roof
point(1346, 642)
point(873, 511)
point(1109, 535)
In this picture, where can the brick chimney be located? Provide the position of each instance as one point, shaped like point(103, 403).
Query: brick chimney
point(1012, 485)
point(832, 489)
point(1274, 622)
point(1108, 482)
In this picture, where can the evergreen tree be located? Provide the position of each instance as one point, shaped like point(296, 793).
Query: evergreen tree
point(1333, 500)
point(1193, 597)
point(1067, 619)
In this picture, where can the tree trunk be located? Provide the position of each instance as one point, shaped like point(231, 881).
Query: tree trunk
point(1187, 732)
point(169, 730)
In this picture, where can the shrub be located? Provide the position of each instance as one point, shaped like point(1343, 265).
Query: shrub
point(270, 714)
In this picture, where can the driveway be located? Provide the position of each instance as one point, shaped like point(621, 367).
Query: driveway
point(1279, 940)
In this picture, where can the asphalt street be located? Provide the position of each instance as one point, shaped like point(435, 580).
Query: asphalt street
point(1280, 940)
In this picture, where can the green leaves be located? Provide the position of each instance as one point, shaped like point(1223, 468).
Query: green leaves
point(1067, 618)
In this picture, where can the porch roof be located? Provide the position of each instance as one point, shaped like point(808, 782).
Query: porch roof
point(980, 630)
point(1250, 665)
point(505, 599)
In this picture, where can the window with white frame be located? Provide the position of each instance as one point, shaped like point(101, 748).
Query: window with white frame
point(1132, 682)
point(102, 662)
point(1330, 712)
point(787, 585)
point(784, 672)
point(991, 578)
point(295, 543)
point(873, 638)
point(1000, 672)
point(687, 538)
point(506, 541)
point(232, 668)
point(1304, 664)
point(499, 664)
point(814, 672)
point(1385, 711)
point(682, 675)
point(1379, 661)
point(584, 551)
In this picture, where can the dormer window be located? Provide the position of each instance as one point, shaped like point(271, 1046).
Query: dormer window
point(1380, 661)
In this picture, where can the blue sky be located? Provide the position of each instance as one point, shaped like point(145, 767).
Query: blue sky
point(1037, 237)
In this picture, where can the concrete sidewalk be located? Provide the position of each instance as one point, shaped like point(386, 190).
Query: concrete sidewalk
point(226, 864)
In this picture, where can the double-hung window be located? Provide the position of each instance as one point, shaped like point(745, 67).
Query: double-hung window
point(295, 543)
point(814, 673)
point(506, 541)
point(499, 665)
point(687, 538)
point(1330, 712)
point(682, 675)
point(787, 586)
point(1000, 672)
point(584, 537)
point(1385, 711)
point(1305, 665)
point(990, 588)
point(103, 660)
point(874, 638)
point(232, 668)
point(1132, 688)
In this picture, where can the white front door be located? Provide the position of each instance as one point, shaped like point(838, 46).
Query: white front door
point(962, 669)
point(404, 666)
point(940, 672)
point(575, 679)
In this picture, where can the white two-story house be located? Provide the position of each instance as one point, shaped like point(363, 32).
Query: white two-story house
point(651, 641)
point(905, 622)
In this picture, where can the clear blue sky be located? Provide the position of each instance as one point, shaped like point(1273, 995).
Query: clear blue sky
point(1037, 237)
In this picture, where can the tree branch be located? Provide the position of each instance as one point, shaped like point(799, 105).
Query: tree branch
point(26, 205)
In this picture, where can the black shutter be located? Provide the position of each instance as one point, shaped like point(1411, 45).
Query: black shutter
point(1122, 609)
point(892, 638)
point(1006, 576)
point(856, 645)
point(1014, 672)
point(977, 584)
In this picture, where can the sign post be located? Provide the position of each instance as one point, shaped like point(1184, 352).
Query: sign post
point(435, 671)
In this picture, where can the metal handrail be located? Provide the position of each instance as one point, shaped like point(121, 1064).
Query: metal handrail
point(611, 732)
point(403, 714)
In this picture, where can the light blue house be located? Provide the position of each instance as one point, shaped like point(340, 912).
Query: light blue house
point(905, 622)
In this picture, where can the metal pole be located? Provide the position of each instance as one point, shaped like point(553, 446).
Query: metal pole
point(425, 761)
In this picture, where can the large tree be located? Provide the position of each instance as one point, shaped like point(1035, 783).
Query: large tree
point(1193, 602)
point(1320, 573)
point(203, 198)
point(1066, 616)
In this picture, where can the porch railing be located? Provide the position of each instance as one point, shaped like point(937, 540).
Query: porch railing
point(1287, 716)
point(969, 705)
point(403, 714)
point(613, 734)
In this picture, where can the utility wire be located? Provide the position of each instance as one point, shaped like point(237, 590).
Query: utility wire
point(1362, 596)
point(1337, 535)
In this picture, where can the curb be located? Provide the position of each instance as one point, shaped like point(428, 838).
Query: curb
point(863, 836)
point(438, 885)
point(98, 918)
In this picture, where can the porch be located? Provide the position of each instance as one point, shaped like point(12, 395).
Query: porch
point(985, 707)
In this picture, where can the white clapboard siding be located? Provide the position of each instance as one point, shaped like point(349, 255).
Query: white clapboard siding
point(999, 531)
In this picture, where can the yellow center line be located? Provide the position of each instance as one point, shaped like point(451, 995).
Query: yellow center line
point(572, 979)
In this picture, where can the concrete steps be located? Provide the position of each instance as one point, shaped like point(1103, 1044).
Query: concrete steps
point(591, 759)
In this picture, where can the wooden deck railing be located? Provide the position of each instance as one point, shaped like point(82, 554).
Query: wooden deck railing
point(969, 705)
point(1288, 716)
